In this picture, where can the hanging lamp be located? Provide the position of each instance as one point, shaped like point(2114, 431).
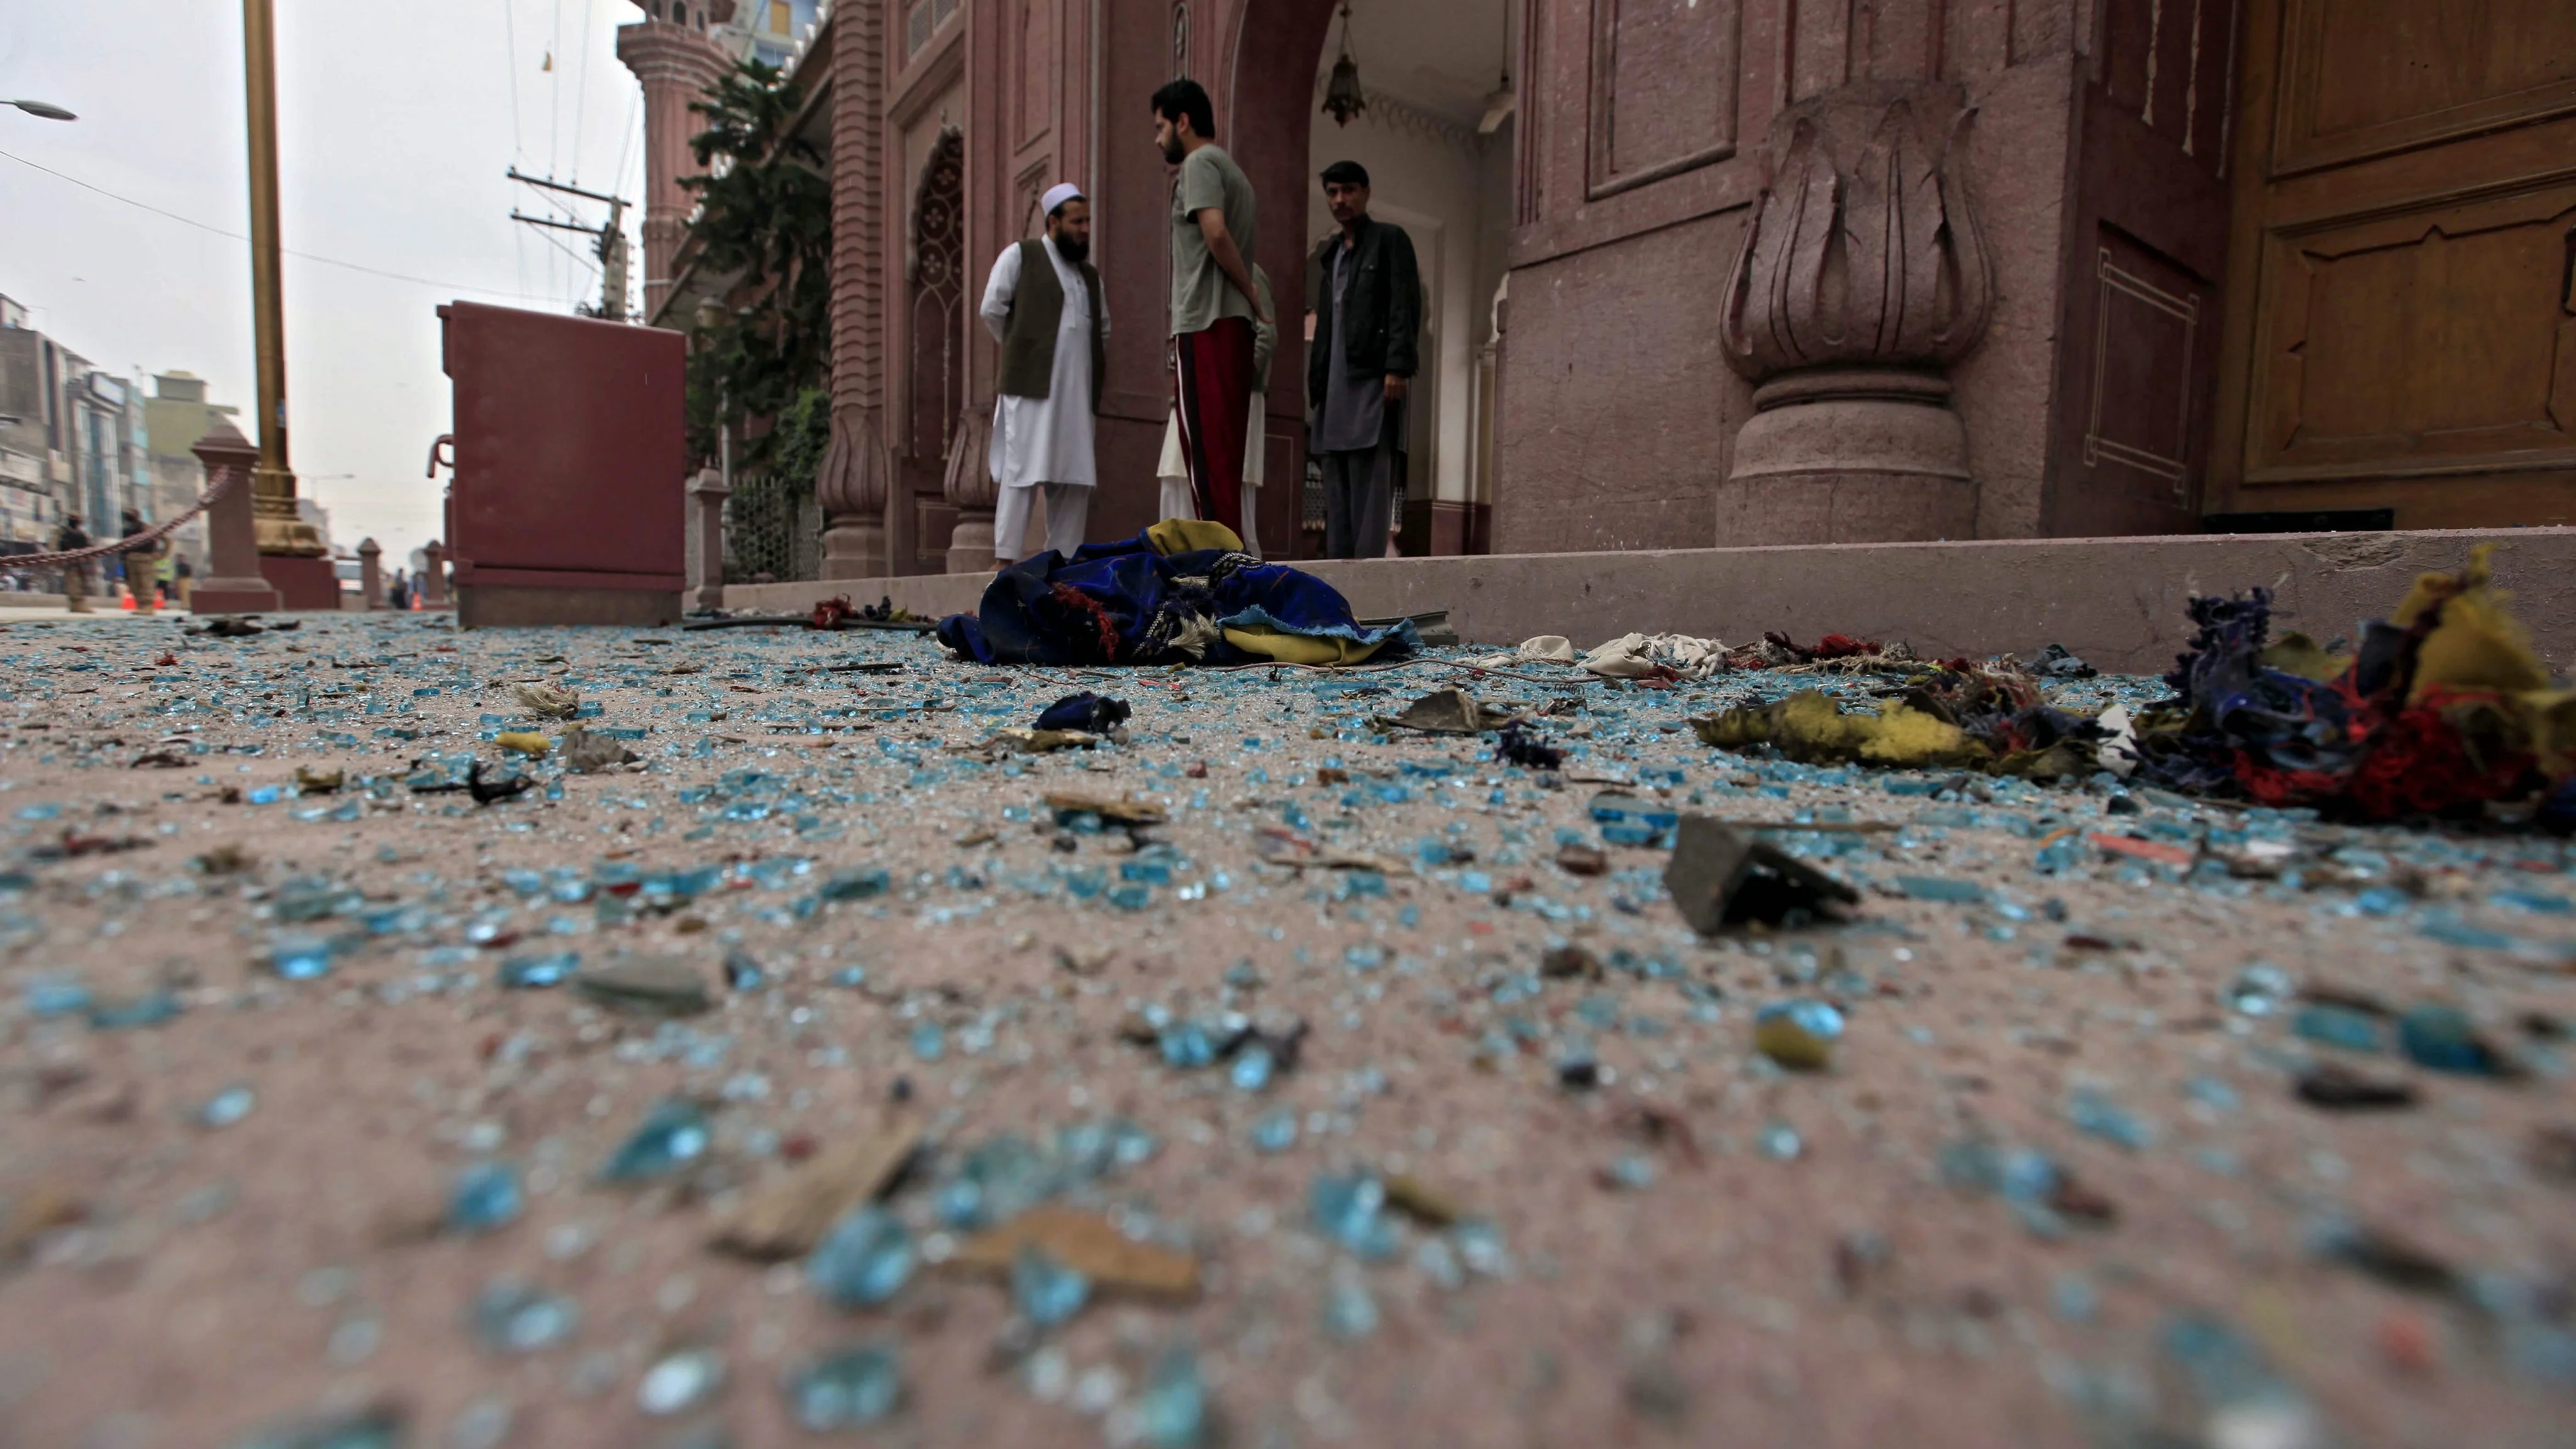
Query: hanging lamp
point(1342, 96)
point(1503, 100)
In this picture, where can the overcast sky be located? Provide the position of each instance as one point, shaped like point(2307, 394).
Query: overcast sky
point(396, 122)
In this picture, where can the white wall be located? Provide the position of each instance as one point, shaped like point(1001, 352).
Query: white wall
point(1441, 182)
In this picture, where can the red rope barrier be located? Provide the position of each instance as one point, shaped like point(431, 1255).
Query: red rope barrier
point(226, 480)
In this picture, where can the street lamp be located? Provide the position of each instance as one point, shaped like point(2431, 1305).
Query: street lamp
point(46, 109)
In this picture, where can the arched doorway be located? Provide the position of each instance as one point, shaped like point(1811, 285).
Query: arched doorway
point(935, 323)
point(1439, 137)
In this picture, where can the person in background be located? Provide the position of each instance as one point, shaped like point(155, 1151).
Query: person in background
point(183, 578)
point(75, 575)
point(398, 593)
point(1174, 471)
point(1215, 304)
point(1043, 303)
point(1368, 320)
point(142, 564)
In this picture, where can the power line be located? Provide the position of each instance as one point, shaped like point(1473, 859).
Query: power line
point(290, 251)
point(581, 91)
point(510, 35)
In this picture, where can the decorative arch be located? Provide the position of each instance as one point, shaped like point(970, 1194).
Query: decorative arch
point(935, 290)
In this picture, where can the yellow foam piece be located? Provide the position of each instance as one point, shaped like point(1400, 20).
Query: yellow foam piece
point(1189, 535)
point(1299, 648)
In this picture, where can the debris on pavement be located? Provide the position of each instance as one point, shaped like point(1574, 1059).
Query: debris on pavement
point(766, 1057)
point(1721, 877)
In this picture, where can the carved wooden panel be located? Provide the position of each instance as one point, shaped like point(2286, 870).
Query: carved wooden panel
point(2148, 331)
point(1664, 78)
point(2366, 77)
point(2440, 340)
point(2171, 64)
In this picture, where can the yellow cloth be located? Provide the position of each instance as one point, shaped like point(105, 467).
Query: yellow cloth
point(1810, 727)
point(1189, 535)
point(1299, 648)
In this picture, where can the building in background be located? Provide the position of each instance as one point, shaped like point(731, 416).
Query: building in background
point(767, 31)
point(27, 432)
point(2156, 266)
point(176, 416)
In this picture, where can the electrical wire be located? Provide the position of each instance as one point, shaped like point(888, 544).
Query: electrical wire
point(581, 89)
point(290, 251)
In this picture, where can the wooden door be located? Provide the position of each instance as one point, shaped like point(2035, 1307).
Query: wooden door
point(2129, 443)
point(2400, 326)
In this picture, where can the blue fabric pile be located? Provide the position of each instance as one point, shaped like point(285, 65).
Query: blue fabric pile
point(1132, 602)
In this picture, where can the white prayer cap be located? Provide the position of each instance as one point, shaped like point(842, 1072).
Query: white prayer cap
point(1058, 195)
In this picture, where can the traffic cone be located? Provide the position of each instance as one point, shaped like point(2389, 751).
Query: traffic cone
point(124, 597)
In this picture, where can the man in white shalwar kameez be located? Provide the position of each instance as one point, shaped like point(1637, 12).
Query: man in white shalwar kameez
point(1044, 305)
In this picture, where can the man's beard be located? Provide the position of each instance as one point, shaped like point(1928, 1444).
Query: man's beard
point(1070, 249)
point(1173, 150)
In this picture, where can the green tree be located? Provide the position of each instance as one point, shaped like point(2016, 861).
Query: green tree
point(765, 221)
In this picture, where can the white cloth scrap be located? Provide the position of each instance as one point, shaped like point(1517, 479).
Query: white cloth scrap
point(1631, 656)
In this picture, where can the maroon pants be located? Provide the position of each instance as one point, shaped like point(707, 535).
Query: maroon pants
point(1212, 394)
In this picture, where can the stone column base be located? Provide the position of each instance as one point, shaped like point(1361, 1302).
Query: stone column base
point(302, 582)
point(1849, 455)
point(234, 596)
point(970, 544)
point(855, 549)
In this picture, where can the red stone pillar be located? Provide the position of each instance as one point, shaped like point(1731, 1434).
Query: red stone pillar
point(676, 64)
point(856, 481)
point(234, 584)
point(371, 574)
point(433, 576)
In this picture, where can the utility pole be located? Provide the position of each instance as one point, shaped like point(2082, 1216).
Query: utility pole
point(611, 240)
point(281, 532)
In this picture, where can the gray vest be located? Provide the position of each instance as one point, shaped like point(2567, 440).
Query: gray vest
point(1037, 310)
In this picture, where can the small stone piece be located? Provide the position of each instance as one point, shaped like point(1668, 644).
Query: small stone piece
point(485, 1197)
point(516, 1317)
point(864, 1262)
point(2339, 1088)
point(1721, 877)
point(680, 1382)
point(1799, 1035)
point(1045, 1291)
point(378, 1426)
point(788, 1218)
point(524, 742)
point(1421, 1201)
point(647, 985)
point(318, 782)
point(1582, 860)
point(846, 1388)
point(1088, 1244)
point(2444, 1039)
point(673, 1135)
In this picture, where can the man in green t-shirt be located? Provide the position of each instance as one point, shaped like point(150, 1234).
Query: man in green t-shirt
point(1215, 304)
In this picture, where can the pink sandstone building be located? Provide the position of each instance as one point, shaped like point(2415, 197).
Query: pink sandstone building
point(1714, 272)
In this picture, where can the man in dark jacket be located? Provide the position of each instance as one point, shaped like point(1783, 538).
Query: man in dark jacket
point(1360, 363)
point(68, 538)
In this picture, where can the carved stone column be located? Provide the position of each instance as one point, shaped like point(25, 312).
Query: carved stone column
point(1862, 276)
point(707, 495)
point(970, 486)
point(371, 574)
point(857, 476)
point(233, 584)
point(433, 576)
